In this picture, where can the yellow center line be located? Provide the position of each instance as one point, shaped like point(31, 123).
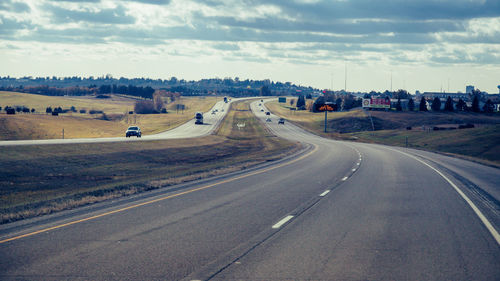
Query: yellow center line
point(158, 199)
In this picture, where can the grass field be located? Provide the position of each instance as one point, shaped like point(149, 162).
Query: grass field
point(37, 180)
point(479, 144)
point(77, 125)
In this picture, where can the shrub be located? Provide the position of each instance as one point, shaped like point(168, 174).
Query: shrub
point(144, 107)
point(83, 111)
point(32, 110)
point(93, 111)
point(104, 117)
point(163, 110)
point(466, 126)
point(10, 110)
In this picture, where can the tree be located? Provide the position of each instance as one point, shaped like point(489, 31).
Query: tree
point(292, 102)
point(301, 102)
point(436, 104)
point(448, 106)
point(144, 107)
point(461, 105)
point(423, 105)
point(48, 110)
point(475, 104)
point(309, 96)
point(264, 91)
point(401, 94)
point(398, 105)
point(488, 107)
point(411, 105)
point(157, 101)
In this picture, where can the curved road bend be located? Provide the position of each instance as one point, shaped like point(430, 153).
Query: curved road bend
point(344, 211)
point(186, 130)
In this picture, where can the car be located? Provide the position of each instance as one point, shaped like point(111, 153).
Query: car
point(133, 131)
point(268, 119)
point(268, 113)
point(281, 121)
point(262, 110)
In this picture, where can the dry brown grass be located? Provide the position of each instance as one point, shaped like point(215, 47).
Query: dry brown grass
point(76, 125)
point(37, 180)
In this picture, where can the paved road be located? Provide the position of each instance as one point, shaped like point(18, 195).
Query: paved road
point(340, 211)
point(187, 130)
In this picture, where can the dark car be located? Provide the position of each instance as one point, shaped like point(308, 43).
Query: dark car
point(281, 121)
point(133, 131)
point(268, 113)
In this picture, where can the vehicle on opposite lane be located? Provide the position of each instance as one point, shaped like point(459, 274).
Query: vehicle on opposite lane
point(133, 131)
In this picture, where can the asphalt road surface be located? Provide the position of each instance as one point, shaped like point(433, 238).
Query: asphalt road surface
point(187, 130)
point(337, 211)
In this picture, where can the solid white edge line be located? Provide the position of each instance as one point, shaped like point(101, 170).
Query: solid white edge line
point(324, 193)
point(476, 210)
point(345, 178)
point(282, 222)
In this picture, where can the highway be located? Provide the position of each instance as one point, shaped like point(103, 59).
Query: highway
point(186, 130)
point(336, 211)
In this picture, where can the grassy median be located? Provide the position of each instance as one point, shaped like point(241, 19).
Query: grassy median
point(41, 179)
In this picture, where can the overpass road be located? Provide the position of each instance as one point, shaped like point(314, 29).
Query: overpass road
point(336, 211)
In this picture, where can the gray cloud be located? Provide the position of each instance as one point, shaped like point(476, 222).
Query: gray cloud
point(10, 27)
point(107, 16)
point(301, 32)
point(153, 2)
point(16, 7)
point(388, 9)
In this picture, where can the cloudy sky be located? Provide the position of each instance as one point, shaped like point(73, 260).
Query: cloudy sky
point(426, 45)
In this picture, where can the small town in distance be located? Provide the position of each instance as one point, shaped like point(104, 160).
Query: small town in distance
point(343, 100)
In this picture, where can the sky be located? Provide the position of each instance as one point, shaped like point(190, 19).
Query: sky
point(358, 45)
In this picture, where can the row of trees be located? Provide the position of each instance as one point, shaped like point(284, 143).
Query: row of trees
point(17, 108)
point(143, 92)
point(341, 101)
point(449, 105)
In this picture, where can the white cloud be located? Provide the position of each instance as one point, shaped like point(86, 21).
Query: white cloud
point(420, 34)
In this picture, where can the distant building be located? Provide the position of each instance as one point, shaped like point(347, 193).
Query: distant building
point(469, 89)
point(444, 96)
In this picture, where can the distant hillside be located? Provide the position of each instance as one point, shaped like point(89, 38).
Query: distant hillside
point(401, 120)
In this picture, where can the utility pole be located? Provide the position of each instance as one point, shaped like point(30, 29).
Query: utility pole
point(391, 81)
point(345, 78)
point(331, 86)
